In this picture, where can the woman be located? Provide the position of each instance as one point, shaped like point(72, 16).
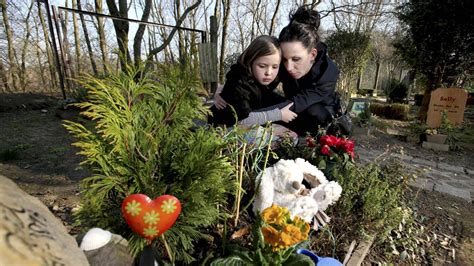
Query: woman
point(309, 76)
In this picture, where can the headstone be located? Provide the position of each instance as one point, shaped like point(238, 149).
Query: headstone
point(452, 101)
point(29, 232)
point(357, 105)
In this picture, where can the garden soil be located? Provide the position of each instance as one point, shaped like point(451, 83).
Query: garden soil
point(36, 152)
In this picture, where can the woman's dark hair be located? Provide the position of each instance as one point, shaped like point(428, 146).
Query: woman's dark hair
point(303, 27)
point(261, 46)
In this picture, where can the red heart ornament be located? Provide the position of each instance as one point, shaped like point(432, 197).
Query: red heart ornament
point(150, 218)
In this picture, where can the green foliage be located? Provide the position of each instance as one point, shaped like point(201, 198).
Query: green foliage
point(396, 91)
point(261, 253)
point(365, 117)
point(409, 241)
point(391, 111)
point(145, 141)
point(79, 94)
point(350, 51)
point(371, 204)
point(448, 51)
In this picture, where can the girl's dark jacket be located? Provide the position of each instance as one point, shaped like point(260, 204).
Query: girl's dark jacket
point(244, 94)
point(318, 86)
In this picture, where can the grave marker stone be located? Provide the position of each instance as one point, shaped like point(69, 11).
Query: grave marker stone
point(451, 100)
point(29, 232)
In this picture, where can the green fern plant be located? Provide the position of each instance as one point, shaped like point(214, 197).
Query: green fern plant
point(145, 141)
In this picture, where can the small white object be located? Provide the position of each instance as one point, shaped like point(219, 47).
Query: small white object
point(95, 238)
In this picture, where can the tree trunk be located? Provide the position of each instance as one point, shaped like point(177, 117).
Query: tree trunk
point(225, 22)
point(377, 72)
point(193, 51)
point(359, 79)
point(101, 32)
point(11, 52)
point(38, 56)
point(49, 52)
point(181, 45)
point(137, 41)
point(67, 52)
point(3, 76)
point(88, 42)
point(433, 82)
point(121, 30)
point(22, 73)
point(77, 39)
point(241, 35)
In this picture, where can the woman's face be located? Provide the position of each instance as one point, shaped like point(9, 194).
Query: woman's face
point(265, 68)
point(297, 59)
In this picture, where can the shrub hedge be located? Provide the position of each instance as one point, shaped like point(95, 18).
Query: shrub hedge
point(391, 111)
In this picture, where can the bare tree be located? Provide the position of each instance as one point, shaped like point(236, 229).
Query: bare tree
point(39, 55)
point(358, 15)
point(159, 17)
point(77, 38)
point(88, 42)
point(181, 46)
point(10, 44)
point(226, 4)
point(48, 47)
point(101, 32)
point(4, 78)
point(173, 31)
point(121, 29)
point(26, 38)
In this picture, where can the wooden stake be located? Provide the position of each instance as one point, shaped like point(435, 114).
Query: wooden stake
point(168, 250)
point(241, 175)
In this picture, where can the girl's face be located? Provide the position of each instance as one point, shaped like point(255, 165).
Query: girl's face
point(265, 68)
point(297, 59)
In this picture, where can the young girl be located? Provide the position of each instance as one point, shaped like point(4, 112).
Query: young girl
point(249, 87)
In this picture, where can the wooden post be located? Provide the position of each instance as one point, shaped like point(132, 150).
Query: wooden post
point(214, 30)
point(55, 47)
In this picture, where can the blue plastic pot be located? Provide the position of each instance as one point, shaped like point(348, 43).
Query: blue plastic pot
point(319, 261)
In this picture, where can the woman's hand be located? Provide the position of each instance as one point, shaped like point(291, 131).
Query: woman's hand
point(287, 115)
point(218, 101)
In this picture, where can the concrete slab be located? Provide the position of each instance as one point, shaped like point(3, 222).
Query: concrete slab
point(451, 168)
point(453, 191)
point(435, 146)
point(403, 157)
point(421, 161)
point(424, 183)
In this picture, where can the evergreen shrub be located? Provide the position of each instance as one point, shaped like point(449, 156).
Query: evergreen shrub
point(145, 141)
point(396, 91)
point(391, 111)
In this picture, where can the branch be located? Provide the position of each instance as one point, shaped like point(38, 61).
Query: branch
point(173, 31)
point(349, 9)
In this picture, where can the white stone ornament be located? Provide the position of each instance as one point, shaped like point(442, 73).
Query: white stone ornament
point(95, 238)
